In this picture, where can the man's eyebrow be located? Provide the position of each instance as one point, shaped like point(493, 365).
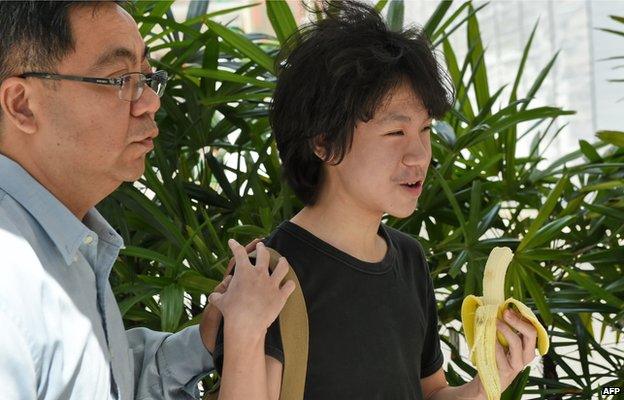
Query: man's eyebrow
point(116, 54)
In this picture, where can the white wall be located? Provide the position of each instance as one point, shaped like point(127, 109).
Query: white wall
point(578, 80)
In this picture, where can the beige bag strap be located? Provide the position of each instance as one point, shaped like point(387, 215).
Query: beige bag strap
point(293, 322)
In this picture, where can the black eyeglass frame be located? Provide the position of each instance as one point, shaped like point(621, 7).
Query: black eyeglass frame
point(159, 76)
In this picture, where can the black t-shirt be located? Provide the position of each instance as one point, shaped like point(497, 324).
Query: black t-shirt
point(373, 326)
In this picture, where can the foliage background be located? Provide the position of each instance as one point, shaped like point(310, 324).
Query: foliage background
point(215, 174)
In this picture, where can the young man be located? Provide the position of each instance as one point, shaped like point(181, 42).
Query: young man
point(352, 115)
point(65, 144)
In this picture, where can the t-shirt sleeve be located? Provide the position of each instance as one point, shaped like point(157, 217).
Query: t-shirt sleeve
point(432, 358)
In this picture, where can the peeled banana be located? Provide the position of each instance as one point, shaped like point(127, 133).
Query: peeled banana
point(479, 316)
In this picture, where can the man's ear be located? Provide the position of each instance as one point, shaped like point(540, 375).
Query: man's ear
point(15, 103)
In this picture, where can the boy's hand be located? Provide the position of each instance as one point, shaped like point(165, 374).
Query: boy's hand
point(254, 298)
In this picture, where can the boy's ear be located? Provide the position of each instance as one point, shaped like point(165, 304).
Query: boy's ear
point(319, 147)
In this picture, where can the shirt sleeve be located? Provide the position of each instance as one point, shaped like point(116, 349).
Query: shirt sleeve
point(168, 366)
point(432, 358)
point(17, 370)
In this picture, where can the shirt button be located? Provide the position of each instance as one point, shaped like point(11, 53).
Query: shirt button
point(88, 239)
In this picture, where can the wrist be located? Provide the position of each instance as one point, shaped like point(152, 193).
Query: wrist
point(476, 389)
point(242, 332)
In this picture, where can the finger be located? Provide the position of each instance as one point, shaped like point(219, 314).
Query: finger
point(515, 345)
point(529, 335)
point(280, 271)
point(240, 256)
point(502, 361)
point(262, 259)
point(230, 265)
point(286, 290)
point(222, 287)
point(251, 246)
point(215, 299)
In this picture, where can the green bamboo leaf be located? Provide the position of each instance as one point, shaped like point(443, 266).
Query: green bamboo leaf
point(614, 137)
point(607, 211)
point(586, 281)
point(549, 231)
point(451, 198)
point(220, 75)
point(160, 8)
point(139, 295)
point(589, 151)
point(281, 18)
point(168, 26)
point(193, 280)
point(539, 80)
point(525, 54)
point(234, 98)
point(481, 86)
point(244, 45)
point(545, 211)
point(149, 255)
point(458, 262)
point(196, 8)
point(516, 389)
point(583, 347)
point(471, 11)
point(380, 5)
point(536, 293)
point(434, 20)
point(615, 184)
point(251, 231)
point(607, 256)
point(621, 33)
point(172, 304)
point(396, 9)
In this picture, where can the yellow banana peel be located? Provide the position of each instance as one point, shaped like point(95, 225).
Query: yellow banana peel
point(479, 316)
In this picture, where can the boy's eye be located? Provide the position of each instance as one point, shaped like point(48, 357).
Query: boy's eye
point(427, 129)
point(395, 133)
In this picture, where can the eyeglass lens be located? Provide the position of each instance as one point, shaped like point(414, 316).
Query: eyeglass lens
point(133, 84)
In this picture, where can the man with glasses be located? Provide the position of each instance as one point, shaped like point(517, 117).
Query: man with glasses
point(78, 100)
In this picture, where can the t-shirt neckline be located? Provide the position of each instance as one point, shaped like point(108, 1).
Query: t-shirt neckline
point(374, 268)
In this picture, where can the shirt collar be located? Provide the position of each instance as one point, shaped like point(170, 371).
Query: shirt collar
point(64, 229)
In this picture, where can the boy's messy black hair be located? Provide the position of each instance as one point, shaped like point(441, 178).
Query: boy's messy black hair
point(334, 73)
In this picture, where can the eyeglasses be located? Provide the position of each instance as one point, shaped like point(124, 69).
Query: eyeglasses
point(131, 85)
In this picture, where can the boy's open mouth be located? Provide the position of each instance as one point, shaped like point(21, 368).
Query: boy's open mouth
point(412, 185)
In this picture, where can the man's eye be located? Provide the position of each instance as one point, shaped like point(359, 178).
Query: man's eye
point(427, 129)
point(395, 133)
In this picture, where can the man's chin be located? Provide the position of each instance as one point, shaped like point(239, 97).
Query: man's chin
point(133, 172)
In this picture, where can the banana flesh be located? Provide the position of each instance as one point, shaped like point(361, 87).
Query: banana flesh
point(479, 315)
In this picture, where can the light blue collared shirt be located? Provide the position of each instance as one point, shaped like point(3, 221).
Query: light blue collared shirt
point(61, 332)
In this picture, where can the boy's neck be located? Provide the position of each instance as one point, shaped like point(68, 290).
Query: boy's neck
point(346, 227)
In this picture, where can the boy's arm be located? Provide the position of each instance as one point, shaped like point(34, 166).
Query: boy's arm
point(435, 387)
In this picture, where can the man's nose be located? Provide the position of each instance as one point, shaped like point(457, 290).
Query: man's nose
point(149, 102)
